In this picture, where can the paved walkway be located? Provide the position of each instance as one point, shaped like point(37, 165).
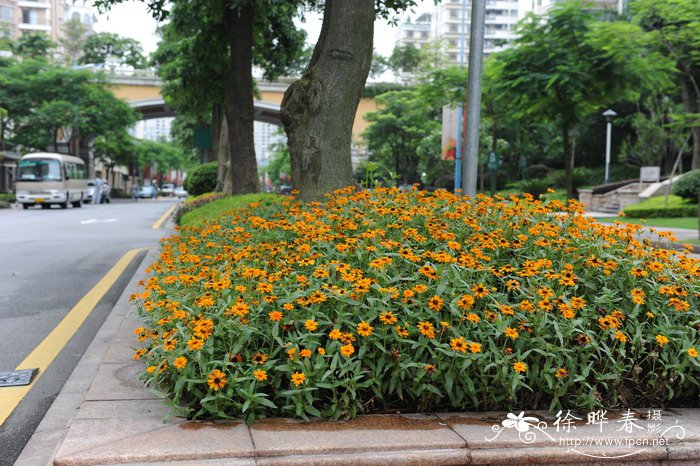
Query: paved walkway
point(104, 415)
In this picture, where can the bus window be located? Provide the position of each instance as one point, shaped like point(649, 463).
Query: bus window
point(39, 170)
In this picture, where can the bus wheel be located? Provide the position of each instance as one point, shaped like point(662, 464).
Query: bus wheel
point(45, 205)
point(25, 206)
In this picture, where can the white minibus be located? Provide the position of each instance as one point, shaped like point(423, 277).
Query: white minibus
point(44, 178)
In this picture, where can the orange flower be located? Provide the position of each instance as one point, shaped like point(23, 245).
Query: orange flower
point(311, 325)
point(435, 303)
point(475, 347)
point(458, 344)
point(298, 378)
point(387, 318)
point(465, 302)
point(180, 362)
point(511, 333)
point(275, 315)
point(364, 329)
point(260, 374)
point(661, 340)
point(692, 352)
point(347, 350)
point(427, 329)
point(480, 290)
point(561, 373)
point(335, 334)
point(260, 358)
point(305, 353)
point(520, 367)
point(217, 380)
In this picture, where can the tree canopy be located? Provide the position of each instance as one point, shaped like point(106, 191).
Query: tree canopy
point(97, 48)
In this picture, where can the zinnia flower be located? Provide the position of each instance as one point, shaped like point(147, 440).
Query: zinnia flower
point(260, 374)
point(217, 380)
point(520, 367)
point(364, 329)
point(298, 378)
point(180, 362)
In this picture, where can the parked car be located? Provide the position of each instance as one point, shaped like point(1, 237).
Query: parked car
point(180, 192)
point(148, 192)
point(168, 189)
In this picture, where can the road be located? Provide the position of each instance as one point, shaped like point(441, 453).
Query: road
point(49, 260)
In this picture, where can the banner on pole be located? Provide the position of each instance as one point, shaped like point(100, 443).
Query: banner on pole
point(450, 129)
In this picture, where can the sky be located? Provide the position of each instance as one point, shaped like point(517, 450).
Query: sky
point(131, 19)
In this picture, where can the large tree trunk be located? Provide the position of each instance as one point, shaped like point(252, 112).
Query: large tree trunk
point(242, 176)
point(568, 159)
point(691, 107)
point(318, 110)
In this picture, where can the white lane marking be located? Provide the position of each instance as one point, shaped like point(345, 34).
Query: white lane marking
point(94, 220)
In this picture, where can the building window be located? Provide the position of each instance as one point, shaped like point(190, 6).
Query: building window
point(86, 18)
point(453, 57)
point(424, 34)
point(409, 33)
point(454, 13)
point(30, 16)
point(6, 13)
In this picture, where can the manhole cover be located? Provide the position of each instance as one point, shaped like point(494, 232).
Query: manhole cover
point(17, 378)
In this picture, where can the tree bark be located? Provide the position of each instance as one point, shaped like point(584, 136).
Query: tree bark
point(690, 108)
point(242, 174)
point(318, 110)
point(568, 165)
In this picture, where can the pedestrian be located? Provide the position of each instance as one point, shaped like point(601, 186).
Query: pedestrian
point(134, 192)
point(97, 195)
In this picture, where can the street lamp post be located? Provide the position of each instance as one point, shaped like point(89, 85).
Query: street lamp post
point(609, 114)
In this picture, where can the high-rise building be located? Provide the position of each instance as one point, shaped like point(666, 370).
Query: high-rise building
point(265, 135)
point(499, 28)
point(418, 31)
point(155, 129)
point(540, 7)
point(19, 17)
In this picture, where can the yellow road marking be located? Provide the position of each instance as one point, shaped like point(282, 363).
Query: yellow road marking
point(165, 216)
point(46, 352)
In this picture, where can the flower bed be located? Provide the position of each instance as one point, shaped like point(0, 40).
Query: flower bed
point(417, 301)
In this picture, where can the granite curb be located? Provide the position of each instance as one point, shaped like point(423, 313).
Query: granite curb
point(49, 434)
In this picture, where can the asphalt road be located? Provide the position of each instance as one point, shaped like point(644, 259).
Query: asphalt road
point(49, 259)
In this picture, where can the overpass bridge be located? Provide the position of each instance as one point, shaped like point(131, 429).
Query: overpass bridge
point(142, 90)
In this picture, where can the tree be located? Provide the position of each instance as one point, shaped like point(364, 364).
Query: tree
point(98, 47)
point(673, 28)
point(42, 98)
point(73, 38)
point(34, 45)
point(318, 110)
point(233, 35)
point(398, 129)
point(566, 67)
point(405, 61)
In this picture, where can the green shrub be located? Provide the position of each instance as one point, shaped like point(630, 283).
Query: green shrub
point(655, 208)
point(214, 205)
point(534, 187)
point(7, 197)
point(581, 176)
point(421, 301)
point(536, 171)
point(688, 186)
point(202, 179)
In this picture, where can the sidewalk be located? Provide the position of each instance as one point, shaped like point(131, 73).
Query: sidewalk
point(104, 415)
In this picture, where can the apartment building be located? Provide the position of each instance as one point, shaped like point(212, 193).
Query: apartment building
point(19, 17)
point(499, 28)
point(418, 31)
point(541, 7)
